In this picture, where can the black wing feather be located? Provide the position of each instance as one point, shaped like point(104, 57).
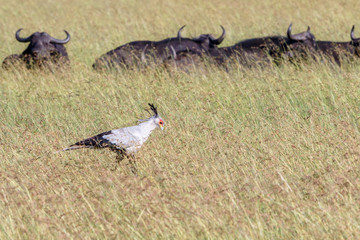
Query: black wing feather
point(96, 141)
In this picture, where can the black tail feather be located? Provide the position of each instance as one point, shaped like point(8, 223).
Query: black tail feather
point(96, 141)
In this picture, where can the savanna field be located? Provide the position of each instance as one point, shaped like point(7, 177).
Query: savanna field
point(261, 153)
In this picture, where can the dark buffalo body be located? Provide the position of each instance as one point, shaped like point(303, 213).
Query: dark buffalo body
point(336, 51)
point(42, 50)
point(251, 52)
point(185, 61)
point(140, 53)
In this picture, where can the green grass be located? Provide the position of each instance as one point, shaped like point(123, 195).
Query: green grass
point(268, 153)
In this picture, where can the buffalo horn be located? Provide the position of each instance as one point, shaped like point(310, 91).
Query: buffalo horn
point(297, 37)
point(352, 35)
point(289, 31)
point(20, 39)
point(179, 32)
point(59, 41)
point(221, 38)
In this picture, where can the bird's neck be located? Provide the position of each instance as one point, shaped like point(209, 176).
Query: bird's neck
point(147, 127)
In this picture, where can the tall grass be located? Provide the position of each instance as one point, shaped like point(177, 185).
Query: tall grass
point(268, 153)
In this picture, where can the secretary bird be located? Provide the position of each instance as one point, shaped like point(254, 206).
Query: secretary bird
point(124, 141)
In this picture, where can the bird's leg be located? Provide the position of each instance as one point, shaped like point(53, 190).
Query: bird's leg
point(119, 157)
point(132, 163)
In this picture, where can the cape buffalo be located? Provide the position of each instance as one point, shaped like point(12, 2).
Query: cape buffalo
point(250, 52)
point(337, 51)
point(255, 51)
point(42, 50)
point(139, 53)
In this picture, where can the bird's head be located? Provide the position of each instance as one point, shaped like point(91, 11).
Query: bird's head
point(158, 120)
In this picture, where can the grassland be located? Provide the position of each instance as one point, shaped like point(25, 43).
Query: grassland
point(268, 153)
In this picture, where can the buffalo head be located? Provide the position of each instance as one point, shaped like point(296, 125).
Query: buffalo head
point(207, 40)
point(299, 45)
point(305, 37)
point(42, 49)
point(335, 52)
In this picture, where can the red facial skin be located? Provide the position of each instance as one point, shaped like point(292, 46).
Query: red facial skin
point(161, 123)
